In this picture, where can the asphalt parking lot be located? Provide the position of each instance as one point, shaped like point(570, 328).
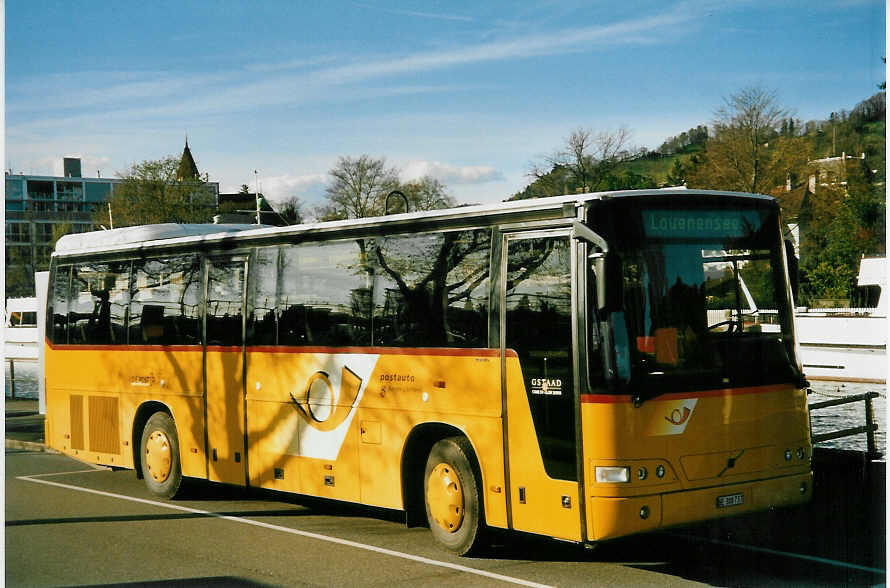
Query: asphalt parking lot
point(69, 523)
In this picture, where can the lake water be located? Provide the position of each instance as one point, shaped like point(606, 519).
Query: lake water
point(823, 421)
point(25, 379)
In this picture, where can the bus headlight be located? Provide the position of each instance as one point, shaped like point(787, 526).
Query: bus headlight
point(612, 475)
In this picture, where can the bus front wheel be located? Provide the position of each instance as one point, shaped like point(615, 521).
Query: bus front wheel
point(451, 494)
point(160, 456)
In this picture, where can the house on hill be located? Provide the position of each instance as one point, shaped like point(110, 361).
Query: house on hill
point(798, 201)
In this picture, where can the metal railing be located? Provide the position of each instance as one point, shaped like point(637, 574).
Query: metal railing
point(12, 378)
point(869, 428)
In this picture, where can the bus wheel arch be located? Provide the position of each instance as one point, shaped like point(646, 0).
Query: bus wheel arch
point(421, 444)
point(453, 495)
point(414, 455)
point(143, 413)
point(156, 450)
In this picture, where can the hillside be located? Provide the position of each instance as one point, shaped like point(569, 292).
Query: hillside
point(828, 176)
point(859, 130)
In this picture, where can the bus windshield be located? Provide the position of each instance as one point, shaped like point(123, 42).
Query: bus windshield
point(705, 300)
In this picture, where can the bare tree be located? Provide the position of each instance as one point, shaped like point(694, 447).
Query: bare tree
point(747, 152)
point(358, 189)
point(427, 193)
point(584, 162)
point(291, 210)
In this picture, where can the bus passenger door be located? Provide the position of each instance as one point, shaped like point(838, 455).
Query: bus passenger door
point(224, 370)
point(540, 397)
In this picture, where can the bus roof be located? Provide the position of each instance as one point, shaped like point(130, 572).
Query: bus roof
point(97, 240)
point(171, 234)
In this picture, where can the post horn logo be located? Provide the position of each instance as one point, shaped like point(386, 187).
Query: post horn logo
point(678, 417)
point(319, 406)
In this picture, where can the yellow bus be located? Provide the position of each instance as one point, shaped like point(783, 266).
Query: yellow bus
point(582, 367)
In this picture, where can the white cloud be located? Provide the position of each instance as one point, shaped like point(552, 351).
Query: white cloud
point(89, 165)
point(417, 14)
point(106, 88)
point(291, 64)
point(451, 174)
point(53, 165)
point(307, 186)
point(565, 41)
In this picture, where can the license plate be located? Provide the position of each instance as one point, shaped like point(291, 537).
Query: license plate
point(730, 500)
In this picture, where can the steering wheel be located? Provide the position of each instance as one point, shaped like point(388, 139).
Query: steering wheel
point(732, 323)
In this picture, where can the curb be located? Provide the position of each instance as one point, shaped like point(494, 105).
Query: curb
point(28, 446)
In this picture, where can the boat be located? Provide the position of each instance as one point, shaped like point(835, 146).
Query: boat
point(20, 329)
point(848, 344)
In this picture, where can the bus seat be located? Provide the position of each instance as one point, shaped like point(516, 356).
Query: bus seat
point(666, 346)
point(152, 324)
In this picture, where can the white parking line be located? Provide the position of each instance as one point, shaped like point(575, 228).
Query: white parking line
point(91, 471)
point(307, 534)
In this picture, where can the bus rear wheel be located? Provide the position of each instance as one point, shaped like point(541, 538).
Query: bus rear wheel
point(451, 494)
point(160, 456)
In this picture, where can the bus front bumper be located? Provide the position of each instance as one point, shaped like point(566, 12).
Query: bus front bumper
point(617, 517)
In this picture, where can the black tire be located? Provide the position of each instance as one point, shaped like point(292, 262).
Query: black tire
point(453, 459)
point(159, 461)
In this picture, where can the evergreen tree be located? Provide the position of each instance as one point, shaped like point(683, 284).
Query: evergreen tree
point(677, 175)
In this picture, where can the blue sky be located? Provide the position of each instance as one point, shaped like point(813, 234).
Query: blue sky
point(469, 92)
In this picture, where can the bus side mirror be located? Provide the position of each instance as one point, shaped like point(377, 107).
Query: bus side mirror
point(609, 281)
point(793, 269)
point(606, 266)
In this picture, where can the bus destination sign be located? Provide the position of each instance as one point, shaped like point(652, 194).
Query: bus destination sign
point(700, 224)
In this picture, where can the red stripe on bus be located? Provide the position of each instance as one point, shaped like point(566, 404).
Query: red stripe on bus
point(164, 348)
point(450, 351)
point(622, 398)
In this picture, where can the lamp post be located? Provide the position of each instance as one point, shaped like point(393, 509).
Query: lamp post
point(256, 178)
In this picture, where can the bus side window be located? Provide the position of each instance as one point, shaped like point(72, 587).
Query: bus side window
point(431, 290)
point(294, 268)
point(262, 319)
point(324, 295)
point(58, 311)
point(165, 308)
point(224, 302)
point(80, 305)
point(100, 295)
